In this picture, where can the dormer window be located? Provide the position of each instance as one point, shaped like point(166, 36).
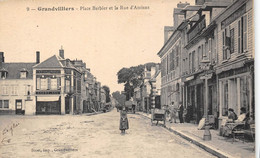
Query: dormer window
point(23, 73)
point(3, 73)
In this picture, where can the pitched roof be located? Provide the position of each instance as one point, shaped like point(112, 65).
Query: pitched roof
point(52, 62)
point(14, 69)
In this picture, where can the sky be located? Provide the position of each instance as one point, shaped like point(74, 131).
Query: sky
point(107, 40)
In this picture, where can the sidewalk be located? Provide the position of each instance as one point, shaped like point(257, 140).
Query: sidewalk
point(218, 146)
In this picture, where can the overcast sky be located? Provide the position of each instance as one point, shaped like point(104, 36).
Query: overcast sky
point(106, 40)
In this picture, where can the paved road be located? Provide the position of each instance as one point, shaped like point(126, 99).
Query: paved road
point(90, 136)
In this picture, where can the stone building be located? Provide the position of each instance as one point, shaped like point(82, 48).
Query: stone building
point(16, 86)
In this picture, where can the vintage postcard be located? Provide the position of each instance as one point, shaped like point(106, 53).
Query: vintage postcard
point(127, 78)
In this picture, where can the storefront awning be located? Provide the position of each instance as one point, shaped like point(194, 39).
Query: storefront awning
point(48, 98)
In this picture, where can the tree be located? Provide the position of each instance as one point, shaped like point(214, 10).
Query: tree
point(132, 77)
point(107, 90)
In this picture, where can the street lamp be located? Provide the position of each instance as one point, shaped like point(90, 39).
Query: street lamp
point(207, 134)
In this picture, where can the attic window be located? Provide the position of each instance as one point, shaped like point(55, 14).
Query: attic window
point(3, 73)
point(23, 73)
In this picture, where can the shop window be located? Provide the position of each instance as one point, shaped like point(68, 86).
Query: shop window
point(244, 92)
point(225, 99)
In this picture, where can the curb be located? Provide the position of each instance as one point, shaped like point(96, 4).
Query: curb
point(199, 144)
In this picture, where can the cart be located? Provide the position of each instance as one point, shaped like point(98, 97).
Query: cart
point(158, 115)
point(130, 105)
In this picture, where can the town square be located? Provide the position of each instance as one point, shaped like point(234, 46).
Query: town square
point(128, 78)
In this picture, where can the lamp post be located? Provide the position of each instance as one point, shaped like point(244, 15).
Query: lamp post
point(207, 134)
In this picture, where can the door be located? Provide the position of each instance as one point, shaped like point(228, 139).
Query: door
point(18, 106)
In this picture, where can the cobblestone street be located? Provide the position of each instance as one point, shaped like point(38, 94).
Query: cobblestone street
point(90, 136)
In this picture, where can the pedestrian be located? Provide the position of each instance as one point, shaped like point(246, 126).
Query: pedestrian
point(123, 120)
point(180, 112)
point(172, 112)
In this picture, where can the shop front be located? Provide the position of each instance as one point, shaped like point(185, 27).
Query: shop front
point(236, 88)
point(48, 105)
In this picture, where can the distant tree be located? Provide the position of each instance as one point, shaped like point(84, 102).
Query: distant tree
point(107, 90)
point(132, 77)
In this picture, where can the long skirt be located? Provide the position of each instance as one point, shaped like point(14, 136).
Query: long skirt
point(123, 124)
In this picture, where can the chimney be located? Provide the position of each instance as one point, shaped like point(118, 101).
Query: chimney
point(61, 53)
point(88, 69)
point(37, 57)
point(168, 31)
point(2, 58)
point(178, 15)
point(84, 65)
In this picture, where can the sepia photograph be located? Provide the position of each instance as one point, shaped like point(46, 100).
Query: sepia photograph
point(127, 79)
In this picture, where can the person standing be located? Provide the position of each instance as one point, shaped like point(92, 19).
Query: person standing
point(123, 120)
point(172, 113)
point(180, 112)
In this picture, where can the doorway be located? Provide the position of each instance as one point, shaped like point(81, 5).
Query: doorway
point(18, 107)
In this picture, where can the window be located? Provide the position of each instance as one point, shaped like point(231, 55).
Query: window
point(225, 103)
point(67, 86)
point(232, 41)
point(4, 104)
point(3, 74)
point(23, 74)
point(53, 84)
point(193, 62)
point(172, 60)
point(44, 84)
point(38, 83)
point(226, 44)
point(58, 83)
point(177, 56)
point(190, 62)
point(202, 51)
point(5, 90)
point(244, 92)
point(242, 34)
point(239, 37)
point(245, 33)
point(14, 90)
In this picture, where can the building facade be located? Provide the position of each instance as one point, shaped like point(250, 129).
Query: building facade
point(208, 59)
point(16, 87)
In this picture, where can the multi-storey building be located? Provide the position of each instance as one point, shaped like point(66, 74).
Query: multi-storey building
point(235, 53)
point(207, 59)
point(170, 55)
point(16, 87)
point(57, 86)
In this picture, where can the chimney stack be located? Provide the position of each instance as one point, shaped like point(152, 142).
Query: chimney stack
point(2, 58)
point(37, 57)
point(61, 53)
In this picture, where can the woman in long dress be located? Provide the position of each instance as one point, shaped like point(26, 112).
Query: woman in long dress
point(123, 120)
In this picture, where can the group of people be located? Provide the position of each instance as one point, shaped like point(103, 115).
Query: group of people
point(172, 111)
point(243, 118)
